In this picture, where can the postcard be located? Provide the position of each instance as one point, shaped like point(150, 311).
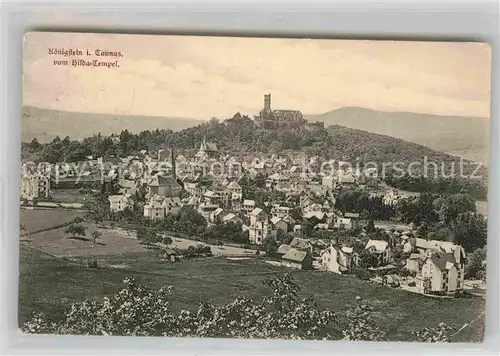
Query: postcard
point(263, 188)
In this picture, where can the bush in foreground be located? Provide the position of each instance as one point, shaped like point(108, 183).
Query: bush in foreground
point(139, 311)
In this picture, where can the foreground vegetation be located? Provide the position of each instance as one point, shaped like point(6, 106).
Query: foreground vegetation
point(51, 286)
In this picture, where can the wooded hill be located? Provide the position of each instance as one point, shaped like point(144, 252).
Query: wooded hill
point(240, 135)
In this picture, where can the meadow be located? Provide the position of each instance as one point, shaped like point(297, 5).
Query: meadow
point(50, 285)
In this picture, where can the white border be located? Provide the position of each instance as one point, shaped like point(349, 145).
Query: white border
point(465, 20)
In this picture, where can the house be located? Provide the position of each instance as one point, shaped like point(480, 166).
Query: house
point(382, 249)
point(207, 149)
point(260, 228)
point(343, 223)
point(120, 202)
point(193, 188)
point(330, 182)
point(217, 215)
point(297, 259)
point(164, 186)
point(391, 198)
point(159, 207)
point(127, 186)
point(279, 211)
point(212, 197)
point(248, 206)
point(235, 193)
point(439, 266)
point(391, 280)
point(231, 218)
point(283, 249)
point(170, 254)
point(279, 224)
point(301, 244)
point(154, 209)
point(338, 259)
point(206, 209)
point(34, 187)
point(440, 273)
point(347, 181)
point(414, 262)
point(172, 205)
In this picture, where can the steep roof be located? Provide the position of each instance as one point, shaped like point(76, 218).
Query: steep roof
point(275, 220)
point(300, 243)
point(233, 185)
point(294, 255)
point(256, 211)
point(283, 248)
point(378, 245)
point(163, 181)
point(443, 260)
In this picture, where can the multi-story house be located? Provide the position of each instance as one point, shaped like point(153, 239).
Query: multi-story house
point(260, 228)
point(338, 259)
point(279, 211)
point(381, 249)
point(120, 202)
point(154, 209)
point(164, 186)
point(248, 206)
point(159, 207)
point(193, 188)
point(206, 209)
point(439, 266)
point(34, 187)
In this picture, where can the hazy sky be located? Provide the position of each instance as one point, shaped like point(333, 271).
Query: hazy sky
point(202, 77)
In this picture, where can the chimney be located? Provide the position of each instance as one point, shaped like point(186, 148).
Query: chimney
point(172, 161)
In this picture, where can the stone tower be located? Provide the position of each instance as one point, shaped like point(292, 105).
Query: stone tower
point(267, 102)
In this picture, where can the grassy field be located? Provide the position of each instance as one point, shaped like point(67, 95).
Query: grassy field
point(35, 219)
point(50, 285)
point(56, 242)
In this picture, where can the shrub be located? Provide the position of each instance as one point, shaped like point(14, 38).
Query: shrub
point(140, 311)
point(362, 273)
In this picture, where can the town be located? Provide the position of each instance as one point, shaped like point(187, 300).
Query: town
point(286, 210)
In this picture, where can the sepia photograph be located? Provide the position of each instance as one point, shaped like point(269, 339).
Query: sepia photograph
point(254, 187)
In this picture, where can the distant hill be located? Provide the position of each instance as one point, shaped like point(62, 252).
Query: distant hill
point(46, 124)
point(461, 136)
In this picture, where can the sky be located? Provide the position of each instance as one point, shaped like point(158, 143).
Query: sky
point(204, 77)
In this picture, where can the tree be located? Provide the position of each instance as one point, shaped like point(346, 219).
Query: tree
point(370, 227)
point(270, 246)
point(78, 220)
point(165, 239)
point(452, 205)
point(470, 230)
point(95, 236)
point(151, 237)
point(296, 214)
point(189, 220)
point(368, 259)
point(75, 230)
point(96, 209)
point(475, 267)
point(419, 210)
